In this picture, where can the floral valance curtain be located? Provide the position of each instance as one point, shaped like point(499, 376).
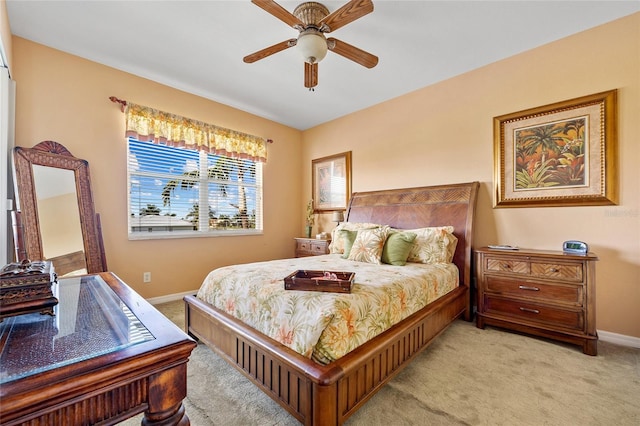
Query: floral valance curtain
point(148, 124)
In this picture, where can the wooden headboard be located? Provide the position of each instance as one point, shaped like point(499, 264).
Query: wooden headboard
point(411, 208)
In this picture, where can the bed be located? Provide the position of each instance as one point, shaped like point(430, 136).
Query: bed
point(318, 394)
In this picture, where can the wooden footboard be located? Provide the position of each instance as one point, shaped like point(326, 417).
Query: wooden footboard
point(317, 394)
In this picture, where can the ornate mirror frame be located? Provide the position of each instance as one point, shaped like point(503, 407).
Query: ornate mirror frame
point(53, 154)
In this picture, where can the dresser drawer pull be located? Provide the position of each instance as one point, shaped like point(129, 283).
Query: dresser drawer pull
point(526, 287)
point(506, 266)
point(533, 311)
point(554, 270)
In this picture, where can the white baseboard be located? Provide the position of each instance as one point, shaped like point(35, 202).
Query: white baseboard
point(619, 339)
point(170, 297)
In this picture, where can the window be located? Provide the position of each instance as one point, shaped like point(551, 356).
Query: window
point(176, 192)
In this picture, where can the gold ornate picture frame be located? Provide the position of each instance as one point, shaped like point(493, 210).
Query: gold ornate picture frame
point(563, 154)
point(331, 182)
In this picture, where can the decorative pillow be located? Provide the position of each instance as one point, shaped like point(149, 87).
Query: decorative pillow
point(433, 245)
point(347, 237)
point(368, 245)
point(337, 244)
point(452, 243)
point(397, 247)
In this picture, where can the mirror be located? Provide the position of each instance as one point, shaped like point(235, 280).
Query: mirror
point(56, 215)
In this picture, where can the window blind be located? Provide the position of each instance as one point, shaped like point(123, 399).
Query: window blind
point(174, 191)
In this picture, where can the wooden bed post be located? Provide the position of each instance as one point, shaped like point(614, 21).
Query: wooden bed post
point(325, 405)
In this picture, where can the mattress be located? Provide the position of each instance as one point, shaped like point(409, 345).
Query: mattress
point(319, 325)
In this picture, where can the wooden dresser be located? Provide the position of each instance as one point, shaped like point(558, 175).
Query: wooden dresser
point(311, 247)
point(545, 293)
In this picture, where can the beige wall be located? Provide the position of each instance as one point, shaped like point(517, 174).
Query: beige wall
point(64, 98)
point(443, 133)
point(439, 134)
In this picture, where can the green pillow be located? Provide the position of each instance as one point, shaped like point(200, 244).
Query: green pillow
point(397, 247)
point(348, 237)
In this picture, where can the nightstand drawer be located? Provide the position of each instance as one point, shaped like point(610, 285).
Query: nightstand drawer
point(532, 312)
point(311, 247)
point(304, 246)
point(318, 249)
point(555, 293)
point(507, 265)
point(557, 271)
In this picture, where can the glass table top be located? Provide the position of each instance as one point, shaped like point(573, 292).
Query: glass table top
point(90, 320)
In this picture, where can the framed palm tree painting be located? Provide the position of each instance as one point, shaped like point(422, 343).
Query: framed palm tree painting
point(563, 154)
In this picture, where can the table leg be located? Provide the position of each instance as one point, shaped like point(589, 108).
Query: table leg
point(167, 389)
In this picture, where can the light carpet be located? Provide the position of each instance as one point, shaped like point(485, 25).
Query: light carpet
point(467, 376)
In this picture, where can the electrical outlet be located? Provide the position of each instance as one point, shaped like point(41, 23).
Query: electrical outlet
point(146, 277)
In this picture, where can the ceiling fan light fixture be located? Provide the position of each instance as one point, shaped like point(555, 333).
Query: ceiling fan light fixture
point(312, 45)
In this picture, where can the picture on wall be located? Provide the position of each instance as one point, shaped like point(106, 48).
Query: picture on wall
point(557, 155)
point(331, 182)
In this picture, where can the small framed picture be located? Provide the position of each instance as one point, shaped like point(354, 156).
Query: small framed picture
point(331, 182)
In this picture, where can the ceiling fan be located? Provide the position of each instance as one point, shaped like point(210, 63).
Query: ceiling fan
point(313, 21)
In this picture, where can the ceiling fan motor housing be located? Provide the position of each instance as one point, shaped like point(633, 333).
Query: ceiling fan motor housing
point(311, 13)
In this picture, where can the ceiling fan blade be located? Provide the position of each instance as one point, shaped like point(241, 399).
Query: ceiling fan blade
point(348, 13)
point(351, 52)
point(279, 12)
point(268, 51)
point(310, 75)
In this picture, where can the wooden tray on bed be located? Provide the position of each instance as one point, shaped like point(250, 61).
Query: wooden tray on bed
point(328, 281)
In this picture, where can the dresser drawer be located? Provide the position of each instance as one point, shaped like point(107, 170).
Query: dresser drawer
point(541, 291)
point(557, 271)
point(536, 313)
point(507, 265)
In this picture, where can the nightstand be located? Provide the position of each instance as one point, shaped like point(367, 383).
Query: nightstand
point(311, 247)
point(545, 293)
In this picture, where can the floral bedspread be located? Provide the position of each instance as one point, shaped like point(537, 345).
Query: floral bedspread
point(319, 325)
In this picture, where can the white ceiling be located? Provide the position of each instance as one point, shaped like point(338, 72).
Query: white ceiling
point(198, 46)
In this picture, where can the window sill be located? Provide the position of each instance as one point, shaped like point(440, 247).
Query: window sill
point(177, 234)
